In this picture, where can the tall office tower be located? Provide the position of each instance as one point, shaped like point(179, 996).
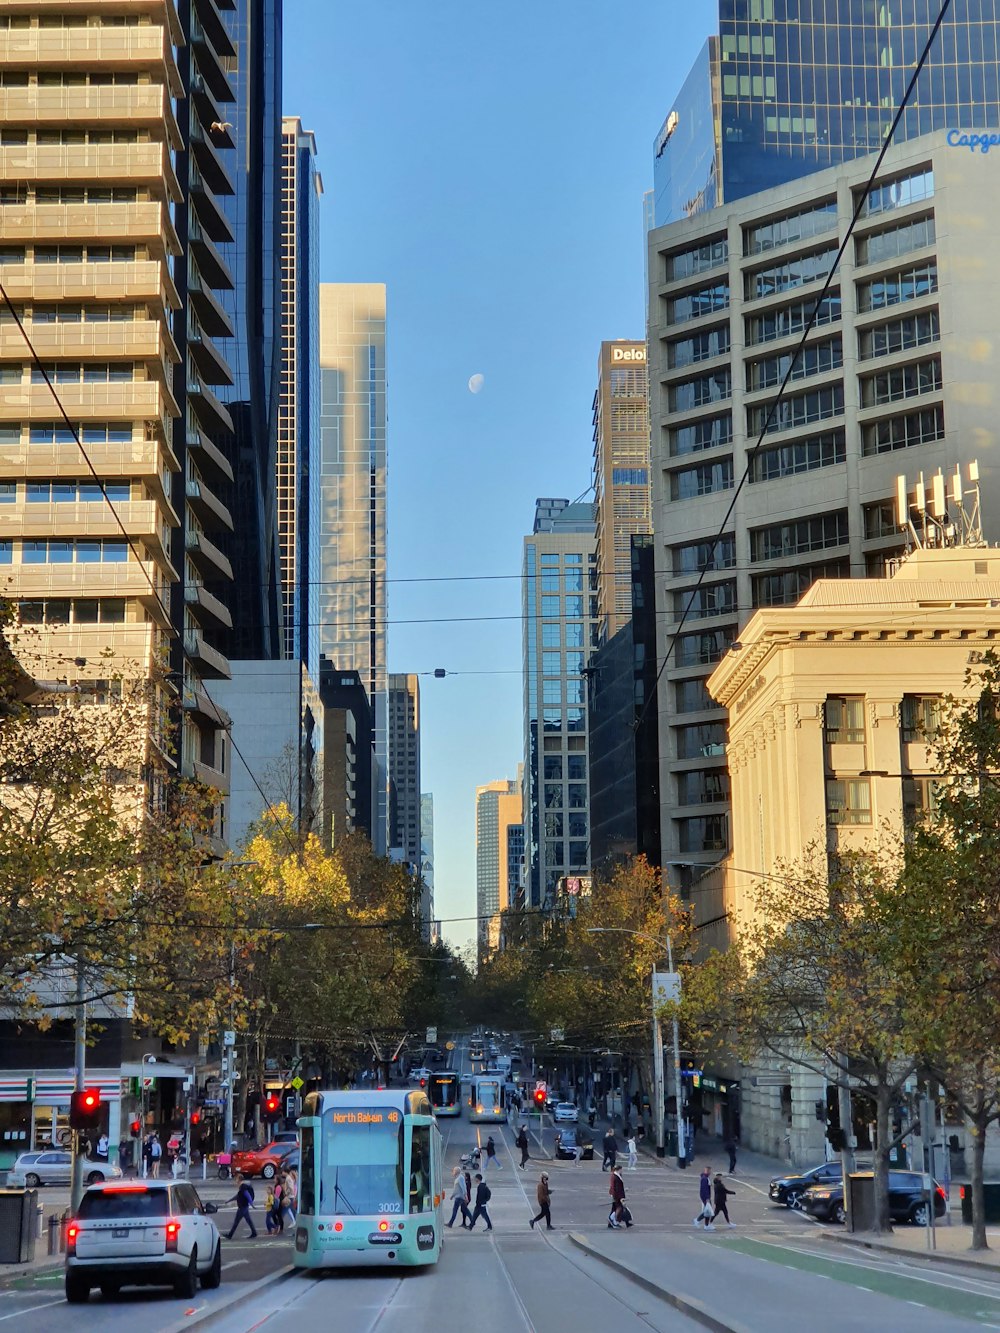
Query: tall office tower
point(789, 87)
point(404, 765)
point(498, 806)
point(621, 476)
point(427, 865)
point(298, 406)
point(897, 374)
point(351, 605)
point(560, 629)
point(87, 182)
point(254, 305)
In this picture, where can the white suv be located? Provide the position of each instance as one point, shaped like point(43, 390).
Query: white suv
point(133, 1233)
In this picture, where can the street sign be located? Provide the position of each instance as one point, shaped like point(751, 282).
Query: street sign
point(229, 1038)
point(432, 1036)
point(213, 1101)
point(297, 1083)
point(666, 987)
point(557, 1034)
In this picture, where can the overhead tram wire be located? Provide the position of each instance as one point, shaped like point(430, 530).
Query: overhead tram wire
point(173, 631)
point(752, 453)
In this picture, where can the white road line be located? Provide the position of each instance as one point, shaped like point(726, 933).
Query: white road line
point(20, 1314)
point(234, 1263)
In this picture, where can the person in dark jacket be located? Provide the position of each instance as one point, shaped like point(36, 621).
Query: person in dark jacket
point(544, 1196)
point(730, 1147)
point(610, 1146)
point(491, 1155)
point(483, 1196)
point(720, 1199)
point(705, 1194)
point(243, 1198)
point(522, 1142)
point(617, 1192)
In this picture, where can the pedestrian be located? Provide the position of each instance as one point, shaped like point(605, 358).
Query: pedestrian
point(619, 1213)
point(243, 1198)
point(277, 1196)
point(705, 1194)
point(522, 1142)
point(720, 1199)
point(610, 1146)
point(102, 1148)
point(459, 1198)
point(633, 1153)
point(483, 1196)
point(544, 1196)
point(468, 1193)
point(289, 1197)
point(269, 1218)
point(147, 1155)
point(491, 1155)
point(155, 1153)
point(591, 1112)
point(730, 1147)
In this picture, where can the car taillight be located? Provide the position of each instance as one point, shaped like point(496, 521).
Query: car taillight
point(72, 1231)
point(173, 1231)
point(941, 1193)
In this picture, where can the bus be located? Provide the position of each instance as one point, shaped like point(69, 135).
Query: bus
point(486, 1098)
point(445, 1092)
point(371, 1184)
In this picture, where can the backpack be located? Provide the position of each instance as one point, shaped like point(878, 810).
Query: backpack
point(487, 1193)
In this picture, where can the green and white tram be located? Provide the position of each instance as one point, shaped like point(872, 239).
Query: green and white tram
point(371, 1187)
point(487, 1101)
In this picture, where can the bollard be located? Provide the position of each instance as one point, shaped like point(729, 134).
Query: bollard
point(40, 1219)
point(54, 1235)
point(204, 1168)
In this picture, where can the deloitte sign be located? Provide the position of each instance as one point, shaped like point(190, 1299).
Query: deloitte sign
point(636, 355)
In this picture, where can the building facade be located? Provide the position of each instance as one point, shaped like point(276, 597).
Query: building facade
point(498, 807)
point(404, 765)
point(789, 87)
point(427, 923)
point(622, 501)
point(560, 619)
point(351, 604)
point(297, 462)
point(896, 371)
point(349, 767)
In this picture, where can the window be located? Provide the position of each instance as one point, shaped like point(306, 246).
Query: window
point(629, 476)
point(577, 853)
point(881, 520)
point(791, 273)
point(785, 460)
point(686, 263)
point(711, 599)
point(574, 606)
point(707, 740)
point(899, 335)
point(574, 635)
point(550, 635)
point(897, 193)
point(880, 437)
point(704, 834)
point(576, 719)
point(553, 826)
point(697, 303)
point(804, 534)
point(692, 559)
point(844, 719)
point(889, 386)
point(797, 410)
point(550, 580)
point(920, 798)
point(6, 552)
point(575, 691)
point(848, 801)
point(576, 767)
point(705, 434)
point(703, 649)
point(815, 359)
point(552, 664)
point(919, 717)
point(550, 606)
point(896, 241)
point(8, 492)
point(786, 586)
point(908, 284)
point(792, 227)
point(702, 786)
point(700, 347)
point(691, 696)
point(577, 826)
point(792, 319)
point(553, 796)
point(573, 580)
point(577, 792)
point(712, 388)
point(549, 559)
point(553, 769)
point(574, 664)
point(701, 480)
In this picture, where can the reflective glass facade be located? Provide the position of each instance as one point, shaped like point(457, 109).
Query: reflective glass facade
point(791, 86)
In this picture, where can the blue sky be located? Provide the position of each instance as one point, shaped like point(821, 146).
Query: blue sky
point(487, 161)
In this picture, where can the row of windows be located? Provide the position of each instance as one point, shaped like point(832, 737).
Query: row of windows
point(704, 479)
point(700, 347)
point(907, 284)
point(76, 314)
point(790, 273)
point(815, 359)
point(64, 138)
point(70, 20)
point(803, 534)
point(570, 691)
point(69, 254)
point(889, 386)
point(72, 372)
point(16, 78)
point(553, 766)
point(572, 607)
point(881, 437)
point(705, 834)
point(785, 587)
point(712, 388)
point(572, 580)
point(706, 740)
point(693, 558)
point(844, 718)
point(708, 433)
point(785, 460)
point(572, 719)
point(702, 786)
point(65, 492)
point(630, 476)
point(793, 227)
point(797, 410)
point(899, 192)
point(691, 696)
point(573, 634)
point(899, 335)
point(558, 825)
point(791, 319)
point(703, 648)
point(692, 305)
point(52, 432)
point(82, 611)
point(700, 259)
point(895, 241)
point(574, 858)
point(69, 194)
point(66, 553)
point(711, 599)
point(550, 558)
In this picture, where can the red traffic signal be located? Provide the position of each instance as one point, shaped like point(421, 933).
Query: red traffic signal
point(134, 1128)
point(539, 1096)
point(272, 1106)
point(85, 1109)
point(196, 1117)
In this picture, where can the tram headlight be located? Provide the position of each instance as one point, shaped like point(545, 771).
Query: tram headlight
point(383, 1225)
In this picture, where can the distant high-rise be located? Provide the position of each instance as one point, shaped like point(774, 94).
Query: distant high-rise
point(498, 806)
point(427, 864)
point(351, 605)
point(788, 87)
point(560, 627)
point(404, 765)
point(621, 476)
point(298, 474)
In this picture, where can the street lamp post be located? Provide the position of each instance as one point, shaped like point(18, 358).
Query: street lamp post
point(658, 1089)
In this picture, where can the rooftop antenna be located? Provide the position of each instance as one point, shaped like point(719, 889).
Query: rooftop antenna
point(941, 513)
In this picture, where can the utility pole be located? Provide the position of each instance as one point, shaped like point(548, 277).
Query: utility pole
point(681, 1122)
point(79, 1059)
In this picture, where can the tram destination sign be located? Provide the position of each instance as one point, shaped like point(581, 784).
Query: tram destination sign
point(371, 1117)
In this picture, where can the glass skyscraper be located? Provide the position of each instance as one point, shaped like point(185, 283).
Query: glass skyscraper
point(788, 87)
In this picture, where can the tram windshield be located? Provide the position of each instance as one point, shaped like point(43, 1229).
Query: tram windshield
point(444, 1089)
point(362, 1160)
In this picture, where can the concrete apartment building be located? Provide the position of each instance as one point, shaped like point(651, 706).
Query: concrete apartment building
point(621, 476)
point(560, 630)
point(831, 702)
point(498, 807)
point(404, 767)
point(351, 605)
point(898, 372)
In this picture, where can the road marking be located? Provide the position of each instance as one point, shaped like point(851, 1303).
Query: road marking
point(234, 1263)
point(19, 1314)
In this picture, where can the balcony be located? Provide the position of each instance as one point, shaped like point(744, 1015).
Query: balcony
point(209, 163)
point(146, 165)
point(211, 316)
point(211, 264)
point(206, 606)
point(207, 208)
point(138, 224)
point(84, 48)
point(145, 106)
point(212, 412)
point(146, 280)
point(209, 63)
point(206, 555)
point(209, 508)
point(143, 460)
point(212, 365)
point(131, 401)
point(210, 456)
point(137, 340)
point(210, 662)
point(142, 580)
point(208, 15)
point(145, 521)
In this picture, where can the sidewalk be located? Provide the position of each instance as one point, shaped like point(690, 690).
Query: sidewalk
point(953, 1244)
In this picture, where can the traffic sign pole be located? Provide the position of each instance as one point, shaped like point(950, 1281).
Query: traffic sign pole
point(76, 1191)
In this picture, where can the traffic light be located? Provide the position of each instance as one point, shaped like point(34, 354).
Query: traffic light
point(271, 1108)
point(820, 1106)
point(134, 1128)
point(85, 1109)
point(196, 1117)
point(837, 1137)
point(540, 1098)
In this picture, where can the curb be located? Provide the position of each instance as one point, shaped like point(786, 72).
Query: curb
point(22, 1271)
point(931, 1256)
point(241, 1293)
point(686, 1305)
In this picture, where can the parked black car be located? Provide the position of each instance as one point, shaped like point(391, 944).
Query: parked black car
point(566, 1144)
point(789, 1189)
point(906, 1199)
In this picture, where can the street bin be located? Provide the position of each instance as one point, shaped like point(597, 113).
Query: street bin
point(991, 1201)
point(860, 1200)
point(18, 1225)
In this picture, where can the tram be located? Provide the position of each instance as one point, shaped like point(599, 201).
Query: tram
point(487, 1099)
point(371, 1187)
point(445, 1092)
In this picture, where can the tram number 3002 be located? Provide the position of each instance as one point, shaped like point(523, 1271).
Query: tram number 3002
point(390, 1207)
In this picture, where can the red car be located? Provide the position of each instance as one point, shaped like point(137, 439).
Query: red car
point(262, 1161)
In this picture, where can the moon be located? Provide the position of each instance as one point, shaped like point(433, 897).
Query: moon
point(476, 382)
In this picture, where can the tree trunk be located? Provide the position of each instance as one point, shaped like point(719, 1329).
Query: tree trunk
point(978, 1201)
point(882, 1221)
